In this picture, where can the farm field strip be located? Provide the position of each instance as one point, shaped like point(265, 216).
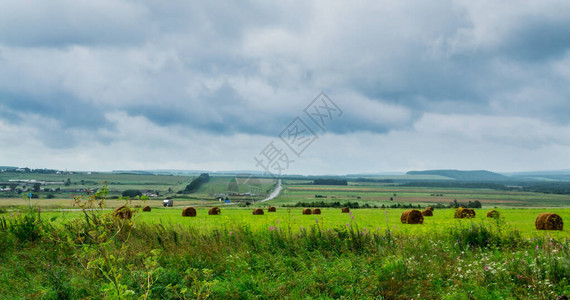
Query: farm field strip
point(368, 219)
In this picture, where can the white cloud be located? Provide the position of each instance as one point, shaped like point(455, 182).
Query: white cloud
point(194, 84)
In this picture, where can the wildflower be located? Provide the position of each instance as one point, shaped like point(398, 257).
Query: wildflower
point(347, 225)
point(231, 233)
point(536, 247)
point(317, 221)
point(12, 214)
point(486, 268)
point(271, 228)
point(278, 221)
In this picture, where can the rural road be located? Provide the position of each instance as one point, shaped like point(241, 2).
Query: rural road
point(275, 192)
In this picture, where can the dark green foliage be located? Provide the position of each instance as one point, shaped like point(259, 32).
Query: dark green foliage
point(470, 204)
point(197, 183)
point(330, 181)
point(132, 193)
point(26, 226)
point(457, 184)
point(548, 187)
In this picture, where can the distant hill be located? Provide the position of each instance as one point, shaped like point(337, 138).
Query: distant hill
point(478, 175)
point(552, 175)
point(7, 168)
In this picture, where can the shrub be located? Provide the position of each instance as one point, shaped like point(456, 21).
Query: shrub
point(132, 193)
point(27, 226)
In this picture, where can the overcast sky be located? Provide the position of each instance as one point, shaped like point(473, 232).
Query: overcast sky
point(106, 85)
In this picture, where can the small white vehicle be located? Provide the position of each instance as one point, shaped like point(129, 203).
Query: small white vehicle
point(167, 202)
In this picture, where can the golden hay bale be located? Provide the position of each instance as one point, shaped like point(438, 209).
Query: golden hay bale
point(258, 211)
point(316, 211)
point(412, 216)
point(430, 208)
point(189, 212)
point(548, 221)
point(272, 209)
point(461, 213)
point(427, 213)
point(345, 210)
point(214, 211)
point(493, 214)
point(306, 211)
point(122, 212)
point(146, 208)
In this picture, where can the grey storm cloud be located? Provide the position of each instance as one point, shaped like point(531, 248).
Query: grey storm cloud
point(228, 68)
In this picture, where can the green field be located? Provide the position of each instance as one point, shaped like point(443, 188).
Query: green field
point(56, 251)
point(160, 254)
point(378, 194)
point(521, 220)
point(164, 185)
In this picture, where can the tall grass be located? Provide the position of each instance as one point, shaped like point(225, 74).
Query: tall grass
point(98, 255)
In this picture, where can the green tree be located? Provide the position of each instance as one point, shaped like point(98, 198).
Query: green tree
point(196, 183)
point(36, 187)
point(132, 193)
point(68, 182)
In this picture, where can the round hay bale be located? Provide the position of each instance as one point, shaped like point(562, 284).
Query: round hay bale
point(316, 211)
point(430, 208)
point(189, 212)
point(146, 208)
point(461, 213)
point(306, 211)
point(427, 213)
point(493, 214)
point(122, 212)
point(412, 216)
point(548, 221)
point(272, 209)
point(345, 210)
point(258, 211)
point(214, 211)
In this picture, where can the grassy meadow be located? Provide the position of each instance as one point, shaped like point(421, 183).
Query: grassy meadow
point(59, 251)
point(520, 220)
point(160, 254)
